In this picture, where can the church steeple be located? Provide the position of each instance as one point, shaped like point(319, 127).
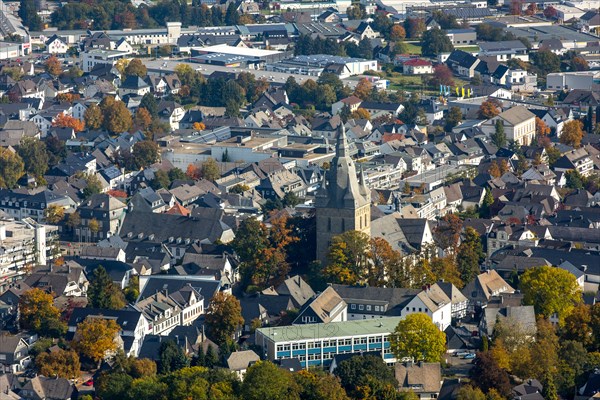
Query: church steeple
point(343, 201)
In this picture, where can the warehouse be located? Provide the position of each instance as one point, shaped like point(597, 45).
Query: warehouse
point(265, 56)
point(315, 65)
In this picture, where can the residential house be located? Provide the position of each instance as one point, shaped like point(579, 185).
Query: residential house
point(577, 159)
point(106, 215)
point(56, 45)
point(504, 50)
point(421, 378)
point(48, 388)
point(299, 291)
point(327, 307)
point(433, 302)
point(517, 318)
point(14, 353)
point(240, 361)
point(484, 287)
point(133, 85)
point(462, 63)
point(417, 66)
point(171, 112)
point(65, 280)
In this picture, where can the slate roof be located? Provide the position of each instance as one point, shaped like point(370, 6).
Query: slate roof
point(420, 378)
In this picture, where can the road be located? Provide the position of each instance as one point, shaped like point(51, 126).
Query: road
point(206, 69)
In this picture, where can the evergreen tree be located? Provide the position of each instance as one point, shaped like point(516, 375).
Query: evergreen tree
point(470, 255)
point(29, 16)
point(171, 357)
point(103, 293)
point(499, 137)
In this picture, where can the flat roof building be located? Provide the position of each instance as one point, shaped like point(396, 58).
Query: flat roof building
point(315, 345)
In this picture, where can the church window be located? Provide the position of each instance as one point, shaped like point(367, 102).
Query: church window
point(329, 224)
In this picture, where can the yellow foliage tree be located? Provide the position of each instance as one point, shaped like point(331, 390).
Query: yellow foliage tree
point(95, 337)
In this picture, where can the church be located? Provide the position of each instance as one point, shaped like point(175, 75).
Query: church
point(343, 202)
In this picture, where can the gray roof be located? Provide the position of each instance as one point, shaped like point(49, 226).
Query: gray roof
point(240, 360)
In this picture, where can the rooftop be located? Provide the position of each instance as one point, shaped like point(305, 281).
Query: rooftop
point(331, 330)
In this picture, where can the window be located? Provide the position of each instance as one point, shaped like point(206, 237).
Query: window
point(368, 308)
point(361, 307)
point(353, 306)
point(376, 308)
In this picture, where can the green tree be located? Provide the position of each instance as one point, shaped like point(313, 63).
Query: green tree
point(499, 137)
point(574, 179)
point(93, 186)
point(29, 16)
point(103, 293)
point(113, 386)
point(453, 118)
point(171, 357)
point(550, 290)
point(468, 392)
point(419, 338)
point(434, 42)
point(347, 257)
point(264, 380)
point(209, 170)
point(223, 317)
point(470, 255)
point(546, 62)
point(365, 372)
point(11, 168)
point(145, 153)
point(251, 240)
point(149, 103)
point(34, 156)
point(317, 385)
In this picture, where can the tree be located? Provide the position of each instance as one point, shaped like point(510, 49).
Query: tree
point(29, 16)
point(95, 338)
point(499, 137)
point(145, 153)
point(223, 317)
point(93, 117)
point(93, 186)
point(546, 62)
point(356, 11)
point(489, 109)
point(264, 380)
point(54, 214)
point(34, 156)
point(60, 363)
point(442, 75)
point(579, 64)
point(66, 121)
point(578, 325)
point(453, 118)
point(209, 170)
point(149, 103)
point(397, 33)
point(366, 373)
point(447, 233)
point(316, 385)
point(470, 255)
point(382, 257)
point(142, 119)
point(550, 290)
point(171, 357)
point(541, 129)
point(199, 126)
point(37, 312)
point(363, 89)
point(361, 113)
point(56, 149)
point(94, 225)
point(414, 27)
point(347, 257)
point(419, 338)
point(468, 392)
point(550, 12)
point(53, 66)
point(74, 221)
point(103, 292)
point(11, 168)
point(434, 42)
point(116, 116)
point(488, 375)
point(574, 179)
point(136, 68)
point(572, 133)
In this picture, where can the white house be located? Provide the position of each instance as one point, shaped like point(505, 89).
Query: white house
point(433, 302)
point(56, 45)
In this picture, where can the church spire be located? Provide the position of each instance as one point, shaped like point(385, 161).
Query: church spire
point(341, 147)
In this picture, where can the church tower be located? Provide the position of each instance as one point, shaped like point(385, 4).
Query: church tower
point(343, 202)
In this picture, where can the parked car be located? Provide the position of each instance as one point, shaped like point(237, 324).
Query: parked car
point(469, 356)
point(89, 382)
point(461, 353)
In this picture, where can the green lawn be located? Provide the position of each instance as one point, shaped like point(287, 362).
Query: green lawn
point(469, 49)
point(413, 48)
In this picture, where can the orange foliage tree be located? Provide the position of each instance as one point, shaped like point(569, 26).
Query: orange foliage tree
point(193, 172)
point(66, 121)
point(199, 126)
point(541, 129)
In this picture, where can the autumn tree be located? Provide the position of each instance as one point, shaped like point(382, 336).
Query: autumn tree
point(447, 232)
point(103, 292)
point(397, 33)
point(494, 170)
point(116, 118)
point(34, 155)
point(96, 337)
point(53, 66)
point(209, 170)
point(60, 363)
point(453, 118)
point(37, 312)
point(347, 257)
point(572, 133)
point(136, 67)
point(63, 120)
point(470, 255)
point(541, 129)
point(367, 377)
point(414, 27)
point(93, 117)
point(419, 338)
point(142, 119)
point(361, 113)
point(316, 384)
point(11, 168)
point(551, 291)
point(488, 375)
point(381, 257)
point(489, 109)
point(54, 214)
point(223, 317)
point(363, 89)
point(199, 126)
